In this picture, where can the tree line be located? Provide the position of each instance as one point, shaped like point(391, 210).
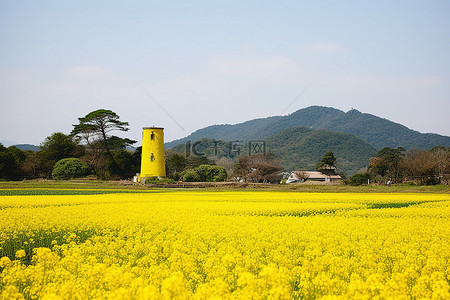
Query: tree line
point(90, 149)
point(422, 167)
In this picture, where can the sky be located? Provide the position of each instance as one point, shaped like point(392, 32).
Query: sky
point(185, 65)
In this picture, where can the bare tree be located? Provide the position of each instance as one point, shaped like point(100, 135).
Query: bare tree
point(259, 168)
point(441, 157)
point(32, 164)
point(420, 167)
point(301, 175)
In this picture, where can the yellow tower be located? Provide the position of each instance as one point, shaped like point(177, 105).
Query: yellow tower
point(152, 161)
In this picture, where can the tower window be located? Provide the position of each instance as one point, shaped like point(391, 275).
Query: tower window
point(152, 136)
point(152, 157)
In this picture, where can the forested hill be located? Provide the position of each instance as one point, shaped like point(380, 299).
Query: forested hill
point(376, 131)
point(242, 131)
point(302, 148)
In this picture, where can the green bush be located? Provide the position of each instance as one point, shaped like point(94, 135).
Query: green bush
point(68, 168)
point(204, 173)
point(190, 176)
point(125, 162)
point(211, 173)
point(359, 179)
point(346, 181)
point(9, 164)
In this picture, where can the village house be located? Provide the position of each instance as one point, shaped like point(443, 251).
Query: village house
point(325, 175)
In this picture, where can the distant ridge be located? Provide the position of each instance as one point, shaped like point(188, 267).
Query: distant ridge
point(376, 131)
point(30, 147)
point(242, 131)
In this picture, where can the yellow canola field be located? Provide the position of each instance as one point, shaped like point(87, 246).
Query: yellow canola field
point(225, 244)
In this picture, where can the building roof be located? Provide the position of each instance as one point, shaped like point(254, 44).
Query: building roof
point(315, 175)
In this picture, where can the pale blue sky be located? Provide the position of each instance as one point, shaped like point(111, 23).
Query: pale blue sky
point(215, 62)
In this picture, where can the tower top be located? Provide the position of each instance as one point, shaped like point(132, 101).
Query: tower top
point(152, 127)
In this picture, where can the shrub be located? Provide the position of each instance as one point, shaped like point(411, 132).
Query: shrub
point(204, 173)
point(125, 163)
point(211, 173)
point(359, 179)
point(190, 176)
point(68, 168)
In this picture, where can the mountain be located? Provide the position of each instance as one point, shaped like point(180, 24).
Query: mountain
point(24, 147)
point(242, 131)
point(302, 148)
point(374, 130)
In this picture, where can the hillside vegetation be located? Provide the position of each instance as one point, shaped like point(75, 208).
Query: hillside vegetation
point(374, 130)
point(302, 148)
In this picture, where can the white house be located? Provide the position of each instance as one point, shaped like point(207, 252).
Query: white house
point(301, 176)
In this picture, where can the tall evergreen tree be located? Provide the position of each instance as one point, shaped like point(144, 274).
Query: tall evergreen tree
point(327, 161)
point(96, 127)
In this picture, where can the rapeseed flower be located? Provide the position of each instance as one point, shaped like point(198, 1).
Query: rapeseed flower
point(228, 245)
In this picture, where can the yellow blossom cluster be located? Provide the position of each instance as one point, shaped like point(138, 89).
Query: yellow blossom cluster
point(225, 245)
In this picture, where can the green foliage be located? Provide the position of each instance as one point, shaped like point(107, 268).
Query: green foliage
point(11, 159)
point(98, 124)
point(359, 179)
point(54, 148)
point(95, 129)
point(127, 165)
point(19, 155)
point(59, 146)
point(105, 154)
point(204, 173)
point(387, 163)
point(421, 167)
point(100, 121)
point(210, 173)
point(69, 168)
point(190, 176)
point(175, 163)
point(327, 161)
point(117, 143)
point(301, 148)
point(195, 161)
